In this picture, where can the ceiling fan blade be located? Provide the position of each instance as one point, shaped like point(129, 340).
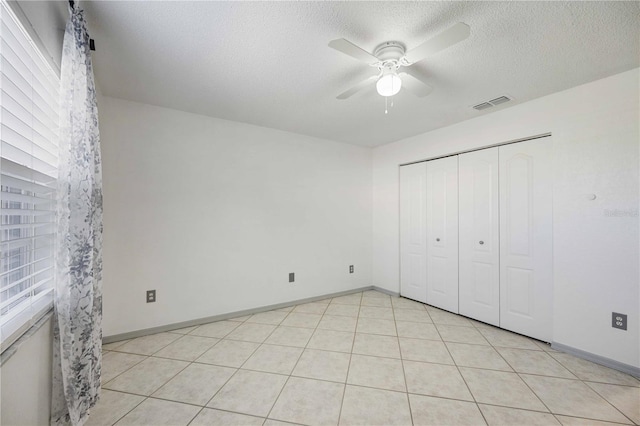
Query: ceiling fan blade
point(415, 86)
point(348, 48)
point(447, 38)
point(358, 87)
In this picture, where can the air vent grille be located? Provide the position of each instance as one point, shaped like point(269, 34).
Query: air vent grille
point(500, 100)
point(482, 106)
point(492, 103)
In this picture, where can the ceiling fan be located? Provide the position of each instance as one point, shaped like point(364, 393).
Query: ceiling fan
point(390, 56)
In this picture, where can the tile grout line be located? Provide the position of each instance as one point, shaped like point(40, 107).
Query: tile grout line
point(237, 369)
point(272, 344)
point(521, 379)
point(495, 348)
point(603, 383)
point(611, 404)
point(525, 382)
point(594, 381)
point(206, 405)
point(175, 375)
point(586, 418)
point(155, 355)
point(474, 326)
point(359, 386)
point(102, 386)
point(146, 397)
point(537, 349)
point(127, 413)
point(215, 409)
point(404, 373)
point(136, 364)
point(455, 363)
point(248, 358)
point(346, 379)
point(519, 374)
point(296, 363)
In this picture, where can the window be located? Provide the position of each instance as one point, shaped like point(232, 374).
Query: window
point(28, 171)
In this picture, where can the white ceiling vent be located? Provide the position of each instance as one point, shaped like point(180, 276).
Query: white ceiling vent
point(500, 100)
point(492, 103)
point(482, 106)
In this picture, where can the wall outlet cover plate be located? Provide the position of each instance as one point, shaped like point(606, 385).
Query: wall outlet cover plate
point(619, 321)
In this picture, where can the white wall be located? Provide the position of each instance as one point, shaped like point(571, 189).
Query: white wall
point(596, 256)
point(25, 391)
point(214, 214)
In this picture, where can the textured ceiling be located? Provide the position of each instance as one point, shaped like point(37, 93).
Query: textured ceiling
point(267, 63)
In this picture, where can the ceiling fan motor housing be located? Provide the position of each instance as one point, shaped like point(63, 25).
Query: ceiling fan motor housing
point(389, 51)
point(389, 55)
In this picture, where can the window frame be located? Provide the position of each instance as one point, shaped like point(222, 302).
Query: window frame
point(27, 190)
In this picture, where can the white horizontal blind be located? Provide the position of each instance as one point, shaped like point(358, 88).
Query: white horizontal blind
point(28, 171)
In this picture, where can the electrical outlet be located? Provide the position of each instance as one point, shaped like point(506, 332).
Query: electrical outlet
point(151, 296)
point(351, 269)
point(292, 277)
point(618, 320)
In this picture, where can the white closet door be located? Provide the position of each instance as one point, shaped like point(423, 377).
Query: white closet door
point(479, 281)
point(413, 232)
point(526, 286)
point(442, 233)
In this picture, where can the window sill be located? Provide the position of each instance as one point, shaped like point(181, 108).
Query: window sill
point(9, 351)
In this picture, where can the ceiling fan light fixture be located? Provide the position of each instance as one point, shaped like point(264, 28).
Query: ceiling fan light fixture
point(389, 84)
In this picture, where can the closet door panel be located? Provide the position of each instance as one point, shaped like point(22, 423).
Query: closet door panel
point(442, 233)
point(413, 238)
point(479, 237)
point(526, 276)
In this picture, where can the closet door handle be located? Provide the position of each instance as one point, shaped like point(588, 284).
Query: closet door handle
point(437, 239)
point(481, 242)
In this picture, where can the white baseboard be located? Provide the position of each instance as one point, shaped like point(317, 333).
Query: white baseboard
point(607, 362)
point(625, 368)
point(200, 321)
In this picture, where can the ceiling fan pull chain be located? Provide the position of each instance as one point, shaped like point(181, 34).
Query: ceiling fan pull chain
point(386, 110)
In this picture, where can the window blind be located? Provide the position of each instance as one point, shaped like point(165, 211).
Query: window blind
point(29, 91)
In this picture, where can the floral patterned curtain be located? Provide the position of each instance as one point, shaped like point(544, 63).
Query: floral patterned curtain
point(77, 342)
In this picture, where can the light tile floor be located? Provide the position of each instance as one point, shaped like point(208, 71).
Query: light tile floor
point(365, 358)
